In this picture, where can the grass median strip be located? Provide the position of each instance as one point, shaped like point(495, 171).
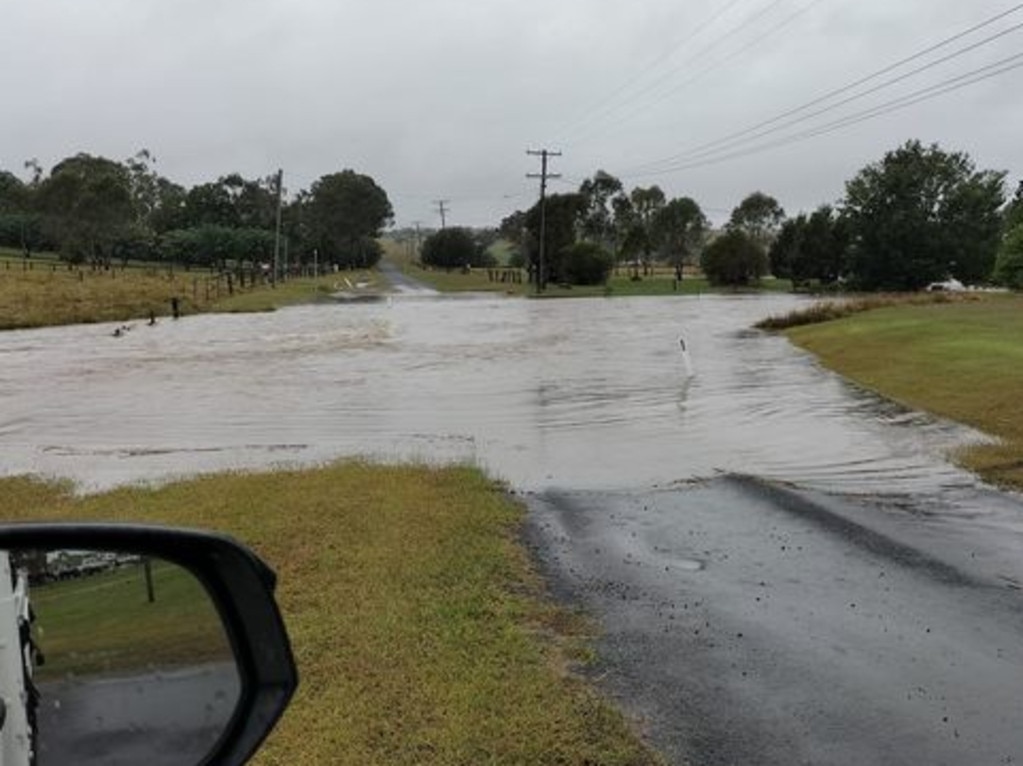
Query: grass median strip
point(421, 633)
point(959, 360)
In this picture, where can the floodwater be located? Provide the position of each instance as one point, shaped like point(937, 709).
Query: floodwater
point(587, 394)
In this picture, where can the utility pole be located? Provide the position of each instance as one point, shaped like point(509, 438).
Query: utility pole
point(543, 175)
point(443, 210)
point(277, 233)
point(419, 238)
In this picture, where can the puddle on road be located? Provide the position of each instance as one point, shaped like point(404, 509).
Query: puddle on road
point(588, 394)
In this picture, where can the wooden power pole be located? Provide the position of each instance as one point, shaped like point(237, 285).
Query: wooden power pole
point(543, 175)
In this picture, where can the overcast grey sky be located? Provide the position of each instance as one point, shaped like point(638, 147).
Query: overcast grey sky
point(440, 99)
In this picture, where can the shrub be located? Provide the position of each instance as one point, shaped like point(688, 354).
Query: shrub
point(1009, 266)
point(734, 259)
point(451, 248)
point(586, 263)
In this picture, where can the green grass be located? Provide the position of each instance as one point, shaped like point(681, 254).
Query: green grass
point(960, 360)
point(105, 624)
point(660, 283)
point(837, 308)
point(421, 633)
point(502, 251)
point(294, 291)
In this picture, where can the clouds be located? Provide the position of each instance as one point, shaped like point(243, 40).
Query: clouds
point(441, 99)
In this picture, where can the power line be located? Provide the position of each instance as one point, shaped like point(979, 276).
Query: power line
point(924, 94)
point(695, 57)
point(702, 73)
point(753, 134)
point(671, 51)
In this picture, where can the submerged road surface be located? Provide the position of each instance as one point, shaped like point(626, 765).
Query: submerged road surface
point(748, 623)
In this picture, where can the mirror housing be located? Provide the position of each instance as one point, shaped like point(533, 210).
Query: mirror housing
point(241, 587)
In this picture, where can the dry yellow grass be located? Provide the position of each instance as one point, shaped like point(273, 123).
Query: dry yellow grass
point(421, 633)
point(50, 294)
point(46, 297)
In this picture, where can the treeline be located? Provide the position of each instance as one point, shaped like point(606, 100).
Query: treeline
point(99, 211)
point(920, 215)
point(601, 227)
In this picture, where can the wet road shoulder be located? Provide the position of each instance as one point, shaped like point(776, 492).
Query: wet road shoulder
point(747, 622)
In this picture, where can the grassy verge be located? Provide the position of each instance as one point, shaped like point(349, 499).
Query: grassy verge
point(661, 282)
point(837, 308)
point(421, 633)
point(292, 292)
point(104, 623)
point(960, 360)
point(52, 295)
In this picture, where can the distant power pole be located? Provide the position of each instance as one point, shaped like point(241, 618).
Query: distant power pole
point(419, 237)
point(543, 175)
point(443, 210)
point(277, 233)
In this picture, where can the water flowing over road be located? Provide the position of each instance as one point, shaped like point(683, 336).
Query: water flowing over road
point(787, 569)
point(579, 394)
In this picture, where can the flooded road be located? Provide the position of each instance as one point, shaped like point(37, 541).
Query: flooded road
point(787, 569)
point(582, 394)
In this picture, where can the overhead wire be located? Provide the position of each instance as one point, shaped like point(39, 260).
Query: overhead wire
point(757, 131)
point(702, 73)
point(659, 81)
point(724, 146)
point(982, 74)
point(651, 66)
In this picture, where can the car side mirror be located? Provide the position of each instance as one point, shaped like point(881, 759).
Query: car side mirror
point(126, 644)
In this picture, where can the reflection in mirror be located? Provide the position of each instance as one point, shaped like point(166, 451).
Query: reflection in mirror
point(109, 658)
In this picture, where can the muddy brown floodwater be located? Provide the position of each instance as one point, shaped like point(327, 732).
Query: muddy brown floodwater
point(580, 394)
point(787, 569)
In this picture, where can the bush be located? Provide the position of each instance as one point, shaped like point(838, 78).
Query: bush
point(451, 249)
point(734, 259)
point(1009, 266)
point(586, 263)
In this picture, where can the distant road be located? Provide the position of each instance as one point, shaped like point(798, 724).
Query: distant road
point(403, 283)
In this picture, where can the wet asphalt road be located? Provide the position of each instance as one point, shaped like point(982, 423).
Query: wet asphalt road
point(170, 719)
point(747, 623)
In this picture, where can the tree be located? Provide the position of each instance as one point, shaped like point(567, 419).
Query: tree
point(586, 263)
point(759, 216)
point(920, 215)
point(88, 206)
point(1009, 266)
point(597, 217)
point(210, 204)
point(452, 248)
point(629, 235)
point(1014, 210)
point(647, 204)
point(786, 253)
point(734, 259)
point(563, 214)
point(20, 225)
point(13, 193)
point(811, 248)
point(679, 226)
point(345, 214)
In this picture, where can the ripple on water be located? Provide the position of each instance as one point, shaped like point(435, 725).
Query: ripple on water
point(582, 393)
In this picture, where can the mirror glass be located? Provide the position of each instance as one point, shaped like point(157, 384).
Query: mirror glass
point(109, 658)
